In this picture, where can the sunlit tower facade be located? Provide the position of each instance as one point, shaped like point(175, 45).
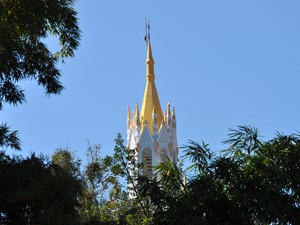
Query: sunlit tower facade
point(151, 133)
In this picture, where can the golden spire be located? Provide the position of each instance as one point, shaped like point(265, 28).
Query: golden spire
point(153, 111)
point(169, 110)
point(128, 118)
point(150, 101)
point(165, 117)
point(173, 118)
point(173, 114)
point(149, 64)
point(137, 115)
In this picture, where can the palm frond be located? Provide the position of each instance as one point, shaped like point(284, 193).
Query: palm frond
point(243, 141)
point(199, 154)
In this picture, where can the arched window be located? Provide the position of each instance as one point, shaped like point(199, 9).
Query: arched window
point(163, 155)
point(147, 162)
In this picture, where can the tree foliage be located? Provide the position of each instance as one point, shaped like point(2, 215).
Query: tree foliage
point(101, 193)
point(24, 25)
point(9, 138)
point(24, 55)
point(254, 182)
point(125, 166)
point(34, 191)
point(98, 182)
point(67, 162)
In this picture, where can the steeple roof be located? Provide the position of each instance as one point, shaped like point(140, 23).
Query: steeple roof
point(150, 101)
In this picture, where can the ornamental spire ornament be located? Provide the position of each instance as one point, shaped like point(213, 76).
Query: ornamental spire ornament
point(151, 98)
point(147, 36)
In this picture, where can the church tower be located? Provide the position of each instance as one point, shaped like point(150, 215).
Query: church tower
point(151, 133)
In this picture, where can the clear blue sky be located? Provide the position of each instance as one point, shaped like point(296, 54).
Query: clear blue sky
point(220, 63)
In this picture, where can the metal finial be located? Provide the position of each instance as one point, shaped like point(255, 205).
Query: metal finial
point(147, 26)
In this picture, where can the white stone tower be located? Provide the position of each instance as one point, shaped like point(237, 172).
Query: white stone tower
point(151, 133)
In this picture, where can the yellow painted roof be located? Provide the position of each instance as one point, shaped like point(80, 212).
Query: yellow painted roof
point(150, 101)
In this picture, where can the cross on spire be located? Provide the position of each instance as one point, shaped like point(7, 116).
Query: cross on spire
point(147, 26)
